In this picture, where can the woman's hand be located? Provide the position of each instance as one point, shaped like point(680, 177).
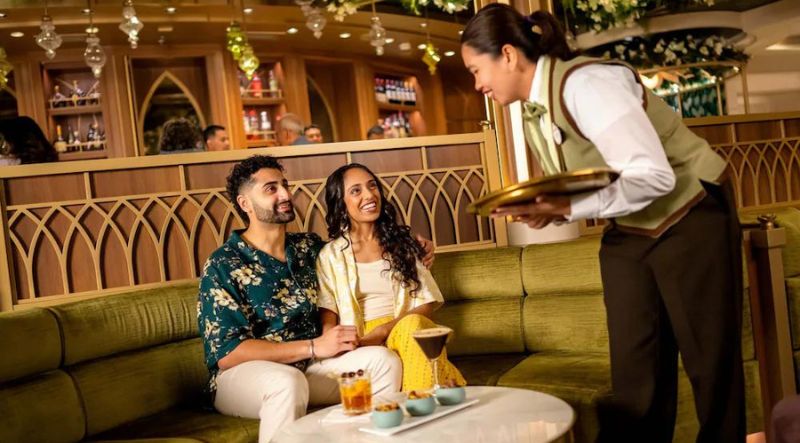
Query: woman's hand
point(376, 337)
point(543, 211)
point(427, 245)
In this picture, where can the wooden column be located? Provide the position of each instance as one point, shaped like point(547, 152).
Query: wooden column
point(770, 314)
point(295, 87)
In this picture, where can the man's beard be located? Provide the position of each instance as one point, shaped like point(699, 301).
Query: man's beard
point(274, 216)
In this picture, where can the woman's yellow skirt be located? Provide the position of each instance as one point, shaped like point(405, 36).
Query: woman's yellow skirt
point(417, 369)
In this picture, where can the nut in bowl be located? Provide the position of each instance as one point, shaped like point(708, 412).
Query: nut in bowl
point(387, 415)
point(420, 403)
point(450, 394)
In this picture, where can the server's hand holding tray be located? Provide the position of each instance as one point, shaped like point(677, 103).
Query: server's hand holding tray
point(567, 183)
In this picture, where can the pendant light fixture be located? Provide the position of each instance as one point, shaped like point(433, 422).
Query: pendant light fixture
point(131, 25)
point(94, 55)
point(48, 39)
point(377, 33)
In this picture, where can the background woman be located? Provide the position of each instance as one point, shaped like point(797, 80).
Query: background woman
point(371, 275)
point(670, 262)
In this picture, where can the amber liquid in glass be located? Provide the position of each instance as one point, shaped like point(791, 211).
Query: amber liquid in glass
point(356, 393)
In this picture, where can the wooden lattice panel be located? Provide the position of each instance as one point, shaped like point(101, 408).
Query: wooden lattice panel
point(116, 228)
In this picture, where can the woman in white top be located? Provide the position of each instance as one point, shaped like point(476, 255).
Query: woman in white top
point(670, 260)
point(371, 275)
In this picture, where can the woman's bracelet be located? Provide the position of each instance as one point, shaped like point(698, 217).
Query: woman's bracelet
point(311, 346)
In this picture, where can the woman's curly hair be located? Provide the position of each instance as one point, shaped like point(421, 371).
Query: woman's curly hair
point(399, 247)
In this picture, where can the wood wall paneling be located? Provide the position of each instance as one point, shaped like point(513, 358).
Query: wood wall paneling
point(455, 155)
point(389, 161)
point(136, 182)
point(464, 108)
point(337, 84)
point(295, 86)
point(29, 190)
point(755, 131)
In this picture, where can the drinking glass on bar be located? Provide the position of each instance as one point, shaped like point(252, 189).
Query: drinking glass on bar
point(432, 341)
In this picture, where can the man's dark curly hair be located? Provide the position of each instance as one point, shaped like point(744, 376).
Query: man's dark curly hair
point(242, 175)
point(399, 248)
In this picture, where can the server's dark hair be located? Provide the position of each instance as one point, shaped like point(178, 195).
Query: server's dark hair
point(497, 25)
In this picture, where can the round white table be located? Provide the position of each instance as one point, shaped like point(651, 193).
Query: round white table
point(502, 415)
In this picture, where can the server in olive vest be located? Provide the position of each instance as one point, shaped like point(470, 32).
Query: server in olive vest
point(670, 261)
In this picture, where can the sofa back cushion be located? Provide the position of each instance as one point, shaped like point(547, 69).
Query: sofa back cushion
point(483, 300)
point(44, 407)
point(564, 307)
point(129, 386)
point(117, 323)
point(31, 343)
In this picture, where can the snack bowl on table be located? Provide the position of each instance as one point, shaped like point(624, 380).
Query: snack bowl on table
point(420, 403)
point(387, 415)
point(450, 394)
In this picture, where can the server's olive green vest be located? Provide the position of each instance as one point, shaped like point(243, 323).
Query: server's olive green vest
point(690, 156)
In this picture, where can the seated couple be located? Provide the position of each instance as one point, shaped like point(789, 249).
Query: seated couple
point(273, 334)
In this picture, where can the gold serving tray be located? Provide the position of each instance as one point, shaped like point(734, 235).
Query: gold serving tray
point(567, 183)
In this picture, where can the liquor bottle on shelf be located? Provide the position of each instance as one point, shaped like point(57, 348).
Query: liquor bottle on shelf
point(92, 95)
point(246, 125)
point(273, 83)
point(91, 133)
point(70, 136)
point(256, 87)
point(59, 144)
point(76, 135)
point(413, 96)
point(409, 98)
point(390, 91)
point(401, 123)
point(58, 99)
point(266, 125)
point(253, 120)
point(77, 94)
point(380, 90)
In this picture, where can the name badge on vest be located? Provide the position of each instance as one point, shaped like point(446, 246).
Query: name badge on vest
point(557, 136)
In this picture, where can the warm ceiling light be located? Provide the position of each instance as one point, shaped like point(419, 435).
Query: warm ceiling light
point(461, 32)
point(170, 9)
point(405, 46)
point(248, 10)
point(86, 11)
point(165, 29)
point(389, 41)
point(344, 35)
point(17, 34)
point(292, 31)
point(423, 25)
point(422, 46)
point(92, 30)
point(2, 15)
point(449, 53)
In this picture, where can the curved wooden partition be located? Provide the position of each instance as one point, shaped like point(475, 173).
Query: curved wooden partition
point(84, 229)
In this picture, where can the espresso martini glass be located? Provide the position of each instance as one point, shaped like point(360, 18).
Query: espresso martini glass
point(432, 341)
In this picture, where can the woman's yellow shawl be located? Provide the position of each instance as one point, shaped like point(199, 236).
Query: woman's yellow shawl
point(338, 279)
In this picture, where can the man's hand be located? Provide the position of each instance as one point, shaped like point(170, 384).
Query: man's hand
point(335, 341)
point(427, 245)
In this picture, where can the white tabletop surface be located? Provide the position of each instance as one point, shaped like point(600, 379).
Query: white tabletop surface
point(503, 415)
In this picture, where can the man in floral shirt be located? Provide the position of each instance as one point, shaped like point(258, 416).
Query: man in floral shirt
point(257, 313)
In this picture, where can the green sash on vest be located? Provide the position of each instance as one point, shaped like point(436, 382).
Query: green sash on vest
point(564, 148)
